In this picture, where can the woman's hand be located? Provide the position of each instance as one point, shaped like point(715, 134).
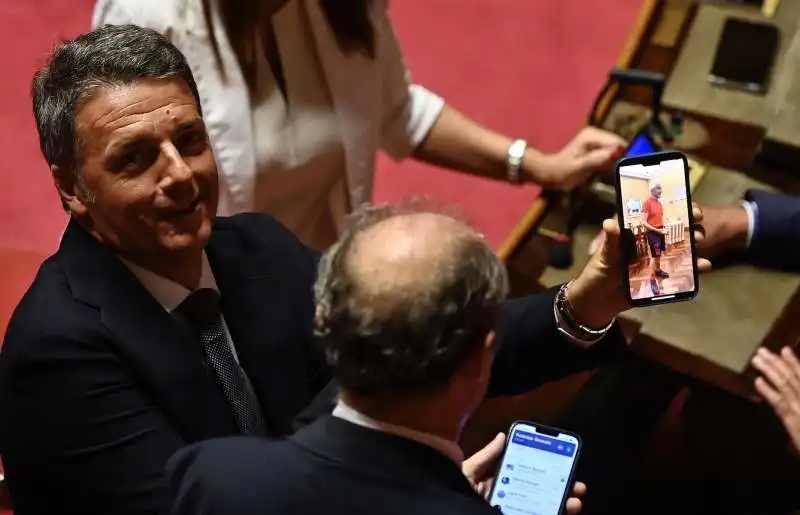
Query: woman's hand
point(480, 468)
point(592, 151)
point(779, 385)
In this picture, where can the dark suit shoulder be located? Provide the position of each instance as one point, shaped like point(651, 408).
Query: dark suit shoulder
point(257, 231)
point(235, 475)
point(262, 238)
point(249, 476)
point(49, 312)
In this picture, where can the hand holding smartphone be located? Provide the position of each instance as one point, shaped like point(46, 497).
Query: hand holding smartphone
point(654, 206)
point(536, 470)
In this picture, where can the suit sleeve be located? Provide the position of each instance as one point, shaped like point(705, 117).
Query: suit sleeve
point(531, 351)
point(776, 235)
point(222, 476)
point(84, 432)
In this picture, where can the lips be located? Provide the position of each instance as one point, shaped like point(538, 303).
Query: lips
point(180, 213)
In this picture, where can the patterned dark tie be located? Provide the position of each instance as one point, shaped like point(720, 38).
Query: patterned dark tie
point(201, 309)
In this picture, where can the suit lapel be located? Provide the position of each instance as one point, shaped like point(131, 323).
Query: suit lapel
point(167, 363)
point(261, 306)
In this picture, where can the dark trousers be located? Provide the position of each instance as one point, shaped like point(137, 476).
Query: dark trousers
point(657, 243)
point(616, 412)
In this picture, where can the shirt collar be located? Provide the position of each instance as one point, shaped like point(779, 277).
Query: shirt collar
point(169, 293)
point(447, 447)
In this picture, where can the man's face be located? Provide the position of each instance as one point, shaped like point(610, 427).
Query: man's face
point(148, 168)
point(657, 191)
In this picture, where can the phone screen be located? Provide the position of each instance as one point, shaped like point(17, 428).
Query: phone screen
point(654, 203)
point(535, 473)
point(641, 144)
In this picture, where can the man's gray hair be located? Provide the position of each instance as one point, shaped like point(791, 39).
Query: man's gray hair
point(108, 56)
point(407, 335)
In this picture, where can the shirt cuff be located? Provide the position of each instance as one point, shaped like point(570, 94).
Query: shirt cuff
point(751, 208)
point(569, 334)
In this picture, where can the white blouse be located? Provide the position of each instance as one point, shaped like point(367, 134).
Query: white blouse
point(300, 158)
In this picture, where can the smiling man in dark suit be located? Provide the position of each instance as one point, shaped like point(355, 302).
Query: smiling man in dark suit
point(156, 324)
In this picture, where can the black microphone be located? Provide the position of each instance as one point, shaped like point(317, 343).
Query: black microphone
point(560, 252)
point(643, 77)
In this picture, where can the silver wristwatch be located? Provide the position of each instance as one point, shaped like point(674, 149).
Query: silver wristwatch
point(516, 152)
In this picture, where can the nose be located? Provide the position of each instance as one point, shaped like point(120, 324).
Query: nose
point(178, 177)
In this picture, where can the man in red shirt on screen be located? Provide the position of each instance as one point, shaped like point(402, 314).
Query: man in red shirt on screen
point(654, 223)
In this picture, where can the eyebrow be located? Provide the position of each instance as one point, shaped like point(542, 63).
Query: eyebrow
point(194, 123)
point(127, 143)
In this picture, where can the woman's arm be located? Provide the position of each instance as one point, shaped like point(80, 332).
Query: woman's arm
point(457, 142)
point(418, 122)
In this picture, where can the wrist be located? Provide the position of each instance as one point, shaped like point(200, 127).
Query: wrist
point(592, 304)
point(737, 224)
point(534, 167)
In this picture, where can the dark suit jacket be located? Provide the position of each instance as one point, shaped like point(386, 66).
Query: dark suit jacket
point(331, 467)
point(776, 240)
point(99, 387)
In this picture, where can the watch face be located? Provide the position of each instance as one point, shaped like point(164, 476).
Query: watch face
point(517, 149)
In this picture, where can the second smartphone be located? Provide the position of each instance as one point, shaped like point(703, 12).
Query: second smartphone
point(536, 470)
point(654, 206)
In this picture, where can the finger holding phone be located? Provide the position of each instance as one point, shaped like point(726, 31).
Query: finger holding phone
point(481, 471)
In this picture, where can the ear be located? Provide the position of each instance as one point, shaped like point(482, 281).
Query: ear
point(478, 366)
point(318, 316)
point(68, 189)
point(491, 338)
point(487, 356)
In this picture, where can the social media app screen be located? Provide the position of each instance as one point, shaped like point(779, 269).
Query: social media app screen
point(534, 473)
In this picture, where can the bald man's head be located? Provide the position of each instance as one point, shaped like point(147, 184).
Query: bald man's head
point(403, 298)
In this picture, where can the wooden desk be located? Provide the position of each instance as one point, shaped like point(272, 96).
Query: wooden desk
point(694, 446)
point(730, 145)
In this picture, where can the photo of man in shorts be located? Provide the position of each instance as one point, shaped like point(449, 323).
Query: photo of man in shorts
point(653, 221)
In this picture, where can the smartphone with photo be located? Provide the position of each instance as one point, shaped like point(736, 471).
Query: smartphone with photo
point(659, 254)
point(536, 471)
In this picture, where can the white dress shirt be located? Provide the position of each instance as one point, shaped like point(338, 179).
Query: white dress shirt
point(170, 294)
point(751, 208)
point(447, 447)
